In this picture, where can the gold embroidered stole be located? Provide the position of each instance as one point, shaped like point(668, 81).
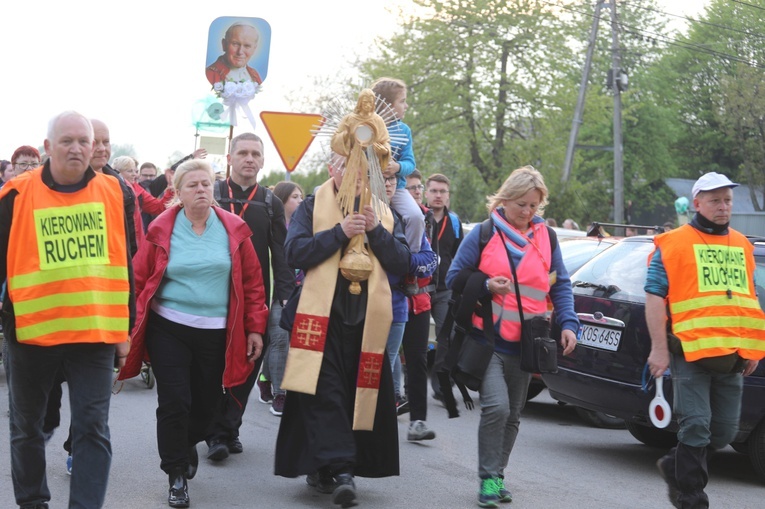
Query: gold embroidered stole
point(309, 332)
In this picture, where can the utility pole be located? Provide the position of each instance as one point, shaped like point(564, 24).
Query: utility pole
point(579, 111)
point(616, 83)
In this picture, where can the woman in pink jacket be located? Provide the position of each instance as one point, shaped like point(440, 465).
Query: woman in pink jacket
point(201, 313)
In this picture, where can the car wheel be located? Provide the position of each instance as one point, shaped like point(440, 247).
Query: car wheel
point(652, 437)
point(535, 388)
point(600, 419)
point(757, 449)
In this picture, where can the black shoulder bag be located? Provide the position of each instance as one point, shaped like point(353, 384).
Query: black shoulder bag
point(539, 352)
point(466, 359)
point(472, 357)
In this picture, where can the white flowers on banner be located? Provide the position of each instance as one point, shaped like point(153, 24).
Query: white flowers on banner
point(236, 94)
point(236, 90)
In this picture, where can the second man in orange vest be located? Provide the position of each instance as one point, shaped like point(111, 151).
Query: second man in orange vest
point(701, 277)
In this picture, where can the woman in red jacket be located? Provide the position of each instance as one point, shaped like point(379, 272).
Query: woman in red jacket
point(201, 313)
point(144, 201)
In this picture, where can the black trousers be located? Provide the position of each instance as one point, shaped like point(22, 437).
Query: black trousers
point(439, 302)
point(231, 406)
point(188, 364)
point(415, 345)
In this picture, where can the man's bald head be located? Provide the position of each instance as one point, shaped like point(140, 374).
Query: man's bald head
point(102, 148)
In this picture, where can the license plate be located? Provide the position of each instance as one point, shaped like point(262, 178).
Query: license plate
point(599, 337)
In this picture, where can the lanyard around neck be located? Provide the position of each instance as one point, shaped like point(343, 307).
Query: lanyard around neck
point(443, 227)
point(231, 197)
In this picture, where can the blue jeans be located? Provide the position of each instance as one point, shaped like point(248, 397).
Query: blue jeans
point(88, 369)
point(411, 215)
point(395, 336)
point(278, 348)
point(706, 404)
point(502, 397)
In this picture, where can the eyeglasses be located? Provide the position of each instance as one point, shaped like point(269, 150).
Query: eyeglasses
point(419, 187)
point(390, 179)
point(26, 166)
point(438, 191)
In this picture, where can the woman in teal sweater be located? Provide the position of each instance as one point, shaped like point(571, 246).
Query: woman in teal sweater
point(201, 315)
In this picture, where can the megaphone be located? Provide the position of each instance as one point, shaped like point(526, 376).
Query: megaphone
point(659, 410)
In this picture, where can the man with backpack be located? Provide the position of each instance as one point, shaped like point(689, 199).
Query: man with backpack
point(264, 213)
point(447, 234)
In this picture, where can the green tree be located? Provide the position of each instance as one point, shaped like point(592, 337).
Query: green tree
point(743, 119)
point(493, 86)
point(123, 149)
point(480, 75)
point(719, 71)
point(308, 180)
point(649, 124)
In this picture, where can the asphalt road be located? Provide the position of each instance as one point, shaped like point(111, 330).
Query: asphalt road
point(558, 462)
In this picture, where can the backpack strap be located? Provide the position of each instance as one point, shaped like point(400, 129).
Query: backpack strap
point(553, 239)
point(455, 224)
point(221, 198)
point(487, 230)
point(269, 204)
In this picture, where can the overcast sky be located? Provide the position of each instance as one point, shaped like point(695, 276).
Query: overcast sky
point(139, 65)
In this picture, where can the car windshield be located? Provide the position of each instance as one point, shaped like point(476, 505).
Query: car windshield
point(759, 279)
point(576, 252)
point(617, 273)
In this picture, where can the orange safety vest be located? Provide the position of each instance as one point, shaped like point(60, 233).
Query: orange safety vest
point(67, 262)
point(712, 300)
point(533, 280)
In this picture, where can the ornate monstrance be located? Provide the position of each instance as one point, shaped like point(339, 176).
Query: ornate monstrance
point(362, 138)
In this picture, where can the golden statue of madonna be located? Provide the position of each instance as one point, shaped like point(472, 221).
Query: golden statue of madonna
point(361, 137)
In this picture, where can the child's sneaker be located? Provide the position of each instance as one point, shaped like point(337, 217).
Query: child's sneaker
point(264, 387)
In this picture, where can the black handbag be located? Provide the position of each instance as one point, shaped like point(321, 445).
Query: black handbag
point(539, 352)
point(466, 358)
point(474, 358)
point(470, 357)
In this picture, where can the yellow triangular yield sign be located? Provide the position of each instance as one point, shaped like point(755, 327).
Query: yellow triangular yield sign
point(291, 134)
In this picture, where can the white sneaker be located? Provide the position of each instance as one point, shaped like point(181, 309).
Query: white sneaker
point(418, 430)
